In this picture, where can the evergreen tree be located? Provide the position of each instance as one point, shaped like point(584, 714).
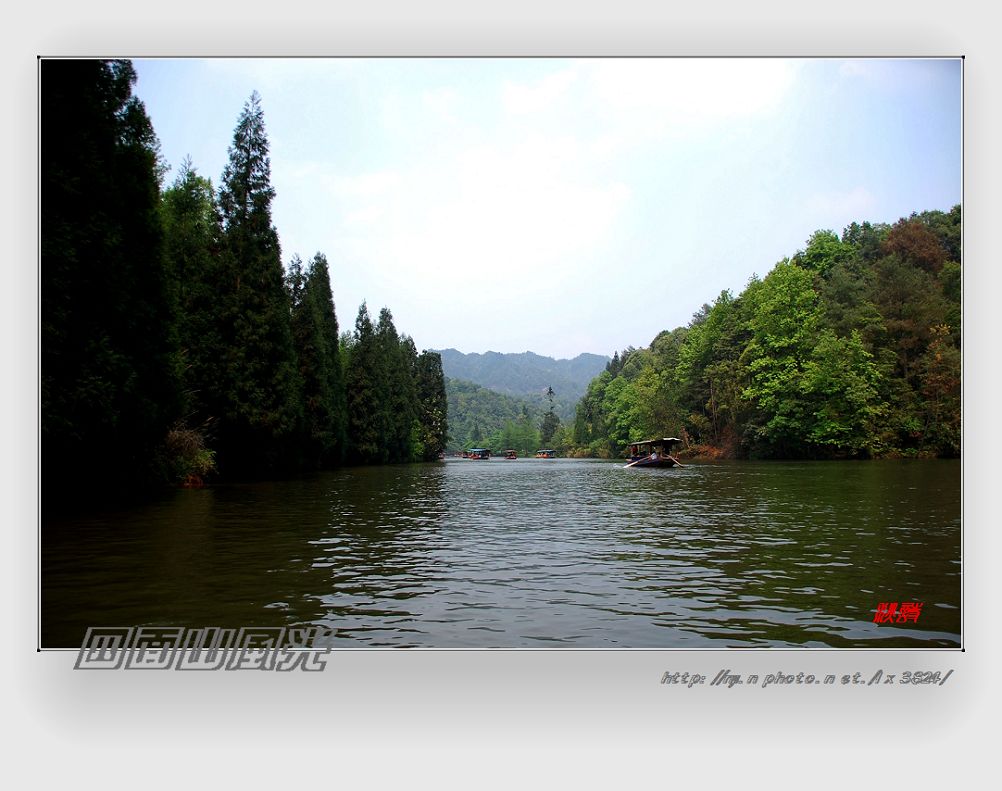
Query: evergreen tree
point(550, 423)
point(193, 232)
point(315, 336)
point(365, 379)
point(432, 401)
point(398, 397)
point(262, 412)
point(109, 368)
point(318, 283)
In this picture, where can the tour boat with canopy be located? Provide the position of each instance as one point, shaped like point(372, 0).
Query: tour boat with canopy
point(653, 453)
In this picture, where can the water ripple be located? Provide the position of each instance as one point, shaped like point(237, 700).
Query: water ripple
point(536, 554)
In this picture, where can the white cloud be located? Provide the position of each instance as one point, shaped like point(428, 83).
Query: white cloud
point(504, 212)
point(487, 223)
point(441, 187)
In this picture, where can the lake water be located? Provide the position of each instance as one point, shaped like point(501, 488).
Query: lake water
point(531, 554)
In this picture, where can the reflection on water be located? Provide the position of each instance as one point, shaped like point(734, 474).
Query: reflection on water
point(531, 554)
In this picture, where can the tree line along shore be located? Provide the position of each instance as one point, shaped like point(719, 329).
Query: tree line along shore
point(175, 346)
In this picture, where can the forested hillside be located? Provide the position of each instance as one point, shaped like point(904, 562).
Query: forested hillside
point(528, 376)
point(851, 348)
point(479, 417)
point(174, 344)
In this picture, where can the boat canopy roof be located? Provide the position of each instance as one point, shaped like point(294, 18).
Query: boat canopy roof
point(661, 441)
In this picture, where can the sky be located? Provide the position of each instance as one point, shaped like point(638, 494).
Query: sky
point(563, 206)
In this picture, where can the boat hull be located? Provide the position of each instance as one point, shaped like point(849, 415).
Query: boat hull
point(661, 461)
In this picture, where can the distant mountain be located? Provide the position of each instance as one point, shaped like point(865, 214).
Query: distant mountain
point(527, 375)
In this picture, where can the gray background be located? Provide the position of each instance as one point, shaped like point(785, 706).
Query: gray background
point(500, 718)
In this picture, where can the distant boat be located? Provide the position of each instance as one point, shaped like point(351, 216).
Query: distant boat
point(510, 455)
point(480, 454)
point(653, 453)
point(546, 453)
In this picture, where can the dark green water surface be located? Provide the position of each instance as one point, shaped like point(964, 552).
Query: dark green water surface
point(531, 553)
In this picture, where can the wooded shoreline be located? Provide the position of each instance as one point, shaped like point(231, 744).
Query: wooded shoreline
point(176, 348)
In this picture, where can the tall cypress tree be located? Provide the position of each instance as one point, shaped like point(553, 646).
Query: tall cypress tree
point(398, 388)
point(193, 230)
point(262, 411)
point(366, 394)
point(429, 381)
point(315, 335)
point(318, 284)
point(550, 423)
point(109, 376)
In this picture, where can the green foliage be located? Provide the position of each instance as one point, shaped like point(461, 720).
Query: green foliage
point(520, 435)
point(315, 337)
point(548, 428)
point(397, 391)
point(947, 228)
point(193, 231)
point(866, 239)
point(262, 410)
point(824, 251)
point(850, 348)
point(911, 303)
point(847, 295)
point(784, 327)
point(590, 420)
point(840, 385)
point(950, 282)
point(940, 368)
point(368, 408)
point(110, 367)
point(527, 376)
point(396, 398)
point(550, 423)
point(172, 339)
point(479, 417)
point(433, 407)
point(189, 460)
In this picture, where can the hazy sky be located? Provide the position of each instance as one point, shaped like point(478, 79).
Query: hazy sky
point(566, 206)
